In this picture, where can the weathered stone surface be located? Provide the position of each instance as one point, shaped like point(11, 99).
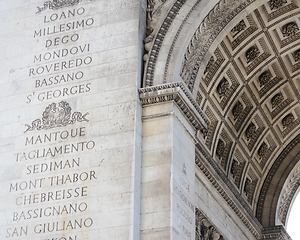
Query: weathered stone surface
point(71, 151)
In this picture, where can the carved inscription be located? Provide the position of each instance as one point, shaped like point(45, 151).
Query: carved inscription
point(53, 198)
point(65, 56)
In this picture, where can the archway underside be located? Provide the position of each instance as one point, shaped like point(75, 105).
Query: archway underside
point(248, 85)
point(250, 90)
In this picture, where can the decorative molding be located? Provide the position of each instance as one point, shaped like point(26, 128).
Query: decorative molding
point(241, 164)
point(280, 107)
point(209, 64)
point(175, 39)
point(57, 115)
point(157, 41)
point(56, 4)
point(275, 233)
point(212, 67)
point(178, 93)
point(226, 149)
point(289, 124)
point(271, 174)
point(218, 179)
point(269, 85)
point(245, 34)
point(277, 12)
point(205, 35)
point(288, 196)
point(212, 127)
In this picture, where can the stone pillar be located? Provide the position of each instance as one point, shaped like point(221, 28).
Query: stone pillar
point(170, 122)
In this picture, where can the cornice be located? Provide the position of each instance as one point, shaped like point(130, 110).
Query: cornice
point(277, 232)
point(178, 93)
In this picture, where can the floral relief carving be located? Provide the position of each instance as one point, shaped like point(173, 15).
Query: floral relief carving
point(297, 55)
point(223, 87)
point(252, 53)
point(275, 4)
point(237, 110)
point(250, 131)
point(262, 150)
point(220, 149)
point(277, 99)
point(264, 78)
point(247, 187)
point(289, 29)
point(234, 168)
point(239, 28)
point(57, 115)
point(288, 120)
point(56, 4)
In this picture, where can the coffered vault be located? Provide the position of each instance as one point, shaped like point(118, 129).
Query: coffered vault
point(240, 62)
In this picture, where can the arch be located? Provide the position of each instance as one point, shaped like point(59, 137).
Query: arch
point(287, 196)
point(268, 202)
point(191, 38)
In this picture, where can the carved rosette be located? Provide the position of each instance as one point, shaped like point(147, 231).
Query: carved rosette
point(241, 26)
point(288, 120)
point(289, 29)
point(234, 168)
point(252, 53)
point(237, 110)
point(276, 100)
point(247, 186)
point(250, 131)
point(56, 4)
point(262, 150)
point(275, 4)
point(297, 55)
point(264, 78)
point(222, 87)
point(220, 149)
